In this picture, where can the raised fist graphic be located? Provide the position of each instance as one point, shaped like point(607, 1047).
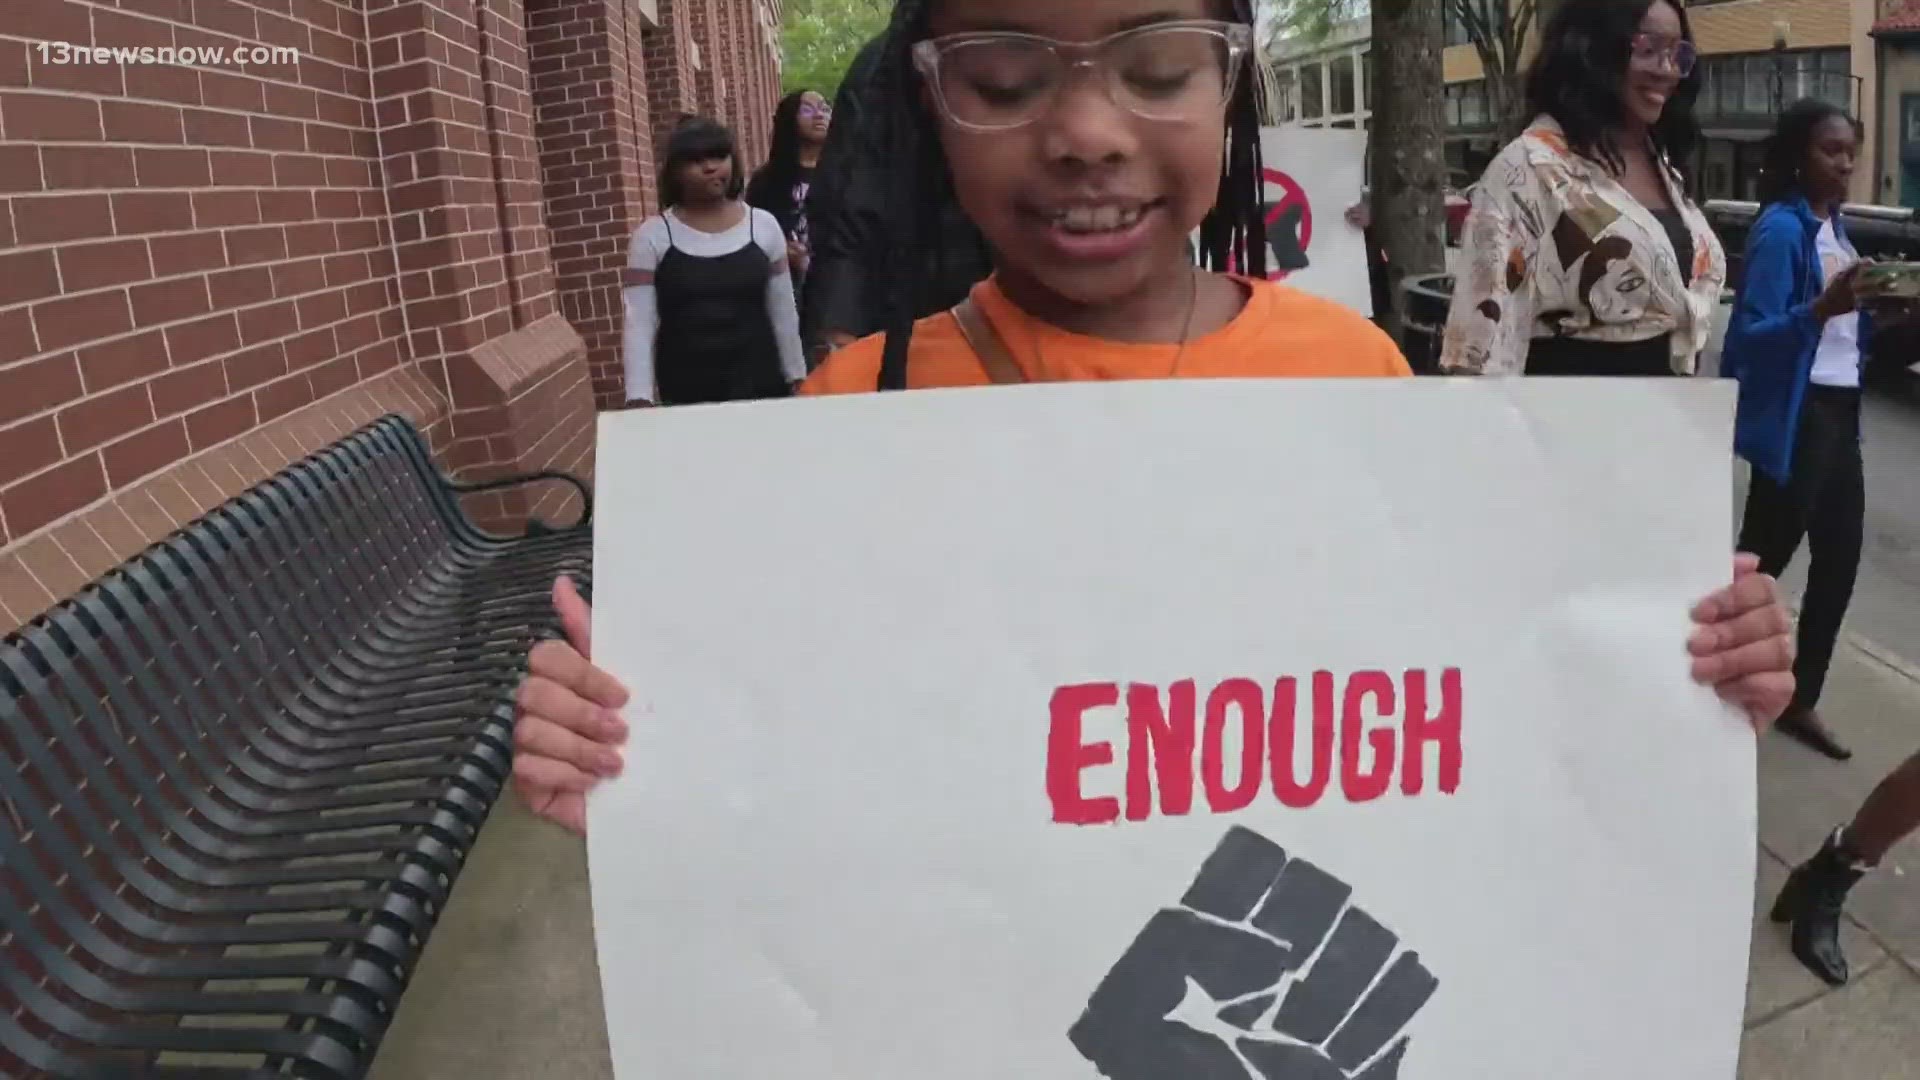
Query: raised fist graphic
point(1263, 973)
point(1283, 235)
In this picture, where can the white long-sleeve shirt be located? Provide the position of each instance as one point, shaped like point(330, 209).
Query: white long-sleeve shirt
point(651, 242)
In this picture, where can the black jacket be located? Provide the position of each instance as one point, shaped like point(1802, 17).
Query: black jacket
point(765, 192)
point(847, 221)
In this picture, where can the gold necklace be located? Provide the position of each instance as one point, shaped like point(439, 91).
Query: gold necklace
point(1186, 329)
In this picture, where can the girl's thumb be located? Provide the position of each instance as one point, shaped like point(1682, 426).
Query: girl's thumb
point(576, 618)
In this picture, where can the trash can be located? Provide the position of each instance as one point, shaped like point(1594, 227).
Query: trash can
point(1428, 298)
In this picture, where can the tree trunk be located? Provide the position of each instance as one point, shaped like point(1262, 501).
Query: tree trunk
point(1409, 158)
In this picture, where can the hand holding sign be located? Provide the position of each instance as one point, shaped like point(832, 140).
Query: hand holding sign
point(893, 778)
point(569, 729)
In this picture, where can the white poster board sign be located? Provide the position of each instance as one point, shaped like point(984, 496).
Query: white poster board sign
point(1211, 730)
point(1312, 177)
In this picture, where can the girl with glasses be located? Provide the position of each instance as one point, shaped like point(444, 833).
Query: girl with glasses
point(1087, 141)
point(800, 125)
point(1582, 254)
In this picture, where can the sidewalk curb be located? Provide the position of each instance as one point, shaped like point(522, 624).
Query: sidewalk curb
point(1874, 651)
point(1884, 656)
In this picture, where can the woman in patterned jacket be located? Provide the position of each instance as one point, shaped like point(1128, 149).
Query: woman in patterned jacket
point(1582, 253)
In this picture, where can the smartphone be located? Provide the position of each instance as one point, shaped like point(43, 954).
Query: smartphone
point(1889, 281)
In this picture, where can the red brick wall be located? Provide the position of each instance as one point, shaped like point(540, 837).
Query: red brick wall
point(670, 71)
point(208, 270)
point(190, 254)
point(596, 155)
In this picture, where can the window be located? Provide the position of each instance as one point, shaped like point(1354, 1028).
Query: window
point(1753, 85)
point(1287, 81)
point(1835, 77)
point(1312, 102)
point(1366, 80)
point(1340, 79)
point(1758, 97)
point(1468, 105)
point(1720, 85)
point(1474, 108)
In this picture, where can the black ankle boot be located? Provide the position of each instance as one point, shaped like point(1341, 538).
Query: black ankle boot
point(1813, 899)
point(1805, 727)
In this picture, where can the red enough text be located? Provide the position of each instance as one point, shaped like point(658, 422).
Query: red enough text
point(1348, 722)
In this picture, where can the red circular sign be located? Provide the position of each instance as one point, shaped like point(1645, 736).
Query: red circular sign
point(1291, 195)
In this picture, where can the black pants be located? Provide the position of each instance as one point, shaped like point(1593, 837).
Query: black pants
point(1825, 501)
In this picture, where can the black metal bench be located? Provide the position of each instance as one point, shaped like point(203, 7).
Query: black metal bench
point(240, 773)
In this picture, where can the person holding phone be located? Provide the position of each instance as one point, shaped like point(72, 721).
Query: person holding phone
point(1795, 344)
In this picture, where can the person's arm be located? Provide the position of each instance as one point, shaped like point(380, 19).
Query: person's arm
point(643, 314)
point(1490, 324)
point(781, 308)
point(1766, 321)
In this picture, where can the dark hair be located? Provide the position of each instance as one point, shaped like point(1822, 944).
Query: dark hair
point(698, 139)
point(1232, 234)
point(782, 167)
point(1792, 140)
point(1576, 78)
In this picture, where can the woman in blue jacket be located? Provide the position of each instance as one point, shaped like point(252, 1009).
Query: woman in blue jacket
point(1795, 345)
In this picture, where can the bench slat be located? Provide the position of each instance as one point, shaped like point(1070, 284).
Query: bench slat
point(239, 774)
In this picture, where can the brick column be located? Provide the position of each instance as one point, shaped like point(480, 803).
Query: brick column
point(595, 135)
point(668, 50)
point(706, 81)
point(730, 84)
point(452, 103)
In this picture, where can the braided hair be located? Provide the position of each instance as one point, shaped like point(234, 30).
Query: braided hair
point(1232, 234)
point(782, 168)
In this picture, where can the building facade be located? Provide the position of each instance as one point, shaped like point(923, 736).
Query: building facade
point(1896, 165)
point(1759, 56)
point(1326, 83)
point(209, 268)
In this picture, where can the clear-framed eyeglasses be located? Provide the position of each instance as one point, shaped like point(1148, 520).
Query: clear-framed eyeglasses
point(1653, 53)
point(1174, 71)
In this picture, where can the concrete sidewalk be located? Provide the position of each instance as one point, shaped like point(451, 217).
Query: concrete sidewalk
point(1796, 1026)
point(509, 990)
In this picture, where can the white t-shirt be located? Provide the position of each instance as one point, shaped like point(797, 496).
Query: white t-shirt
point(655, 238)
point(1837, 361)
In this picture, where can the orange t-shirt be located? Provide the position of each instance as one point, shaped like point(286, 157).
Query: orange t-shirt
point(1280, 333)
